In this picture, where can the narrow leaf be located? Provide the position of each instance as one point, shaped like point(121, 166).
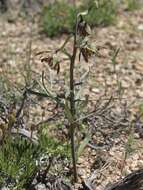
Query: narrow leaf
point(83, 13)
point(82, 145)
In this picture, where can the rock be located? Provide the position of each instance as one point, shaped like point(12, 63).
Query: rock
point(4, 188)
point(140, 27)
point(40, 187)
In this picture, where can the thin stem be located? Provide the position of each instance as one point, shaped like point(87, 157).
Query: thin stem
point(72, 105)
point(63, 45)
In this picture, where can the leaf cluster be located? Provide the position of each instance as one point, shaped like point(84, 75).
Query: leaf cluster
point(20, 158)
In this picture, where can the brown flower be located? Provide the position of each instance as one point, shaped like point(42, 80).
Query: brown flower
point(87, 53)
point(83, 28)
point(48, 60)
point(52, 62)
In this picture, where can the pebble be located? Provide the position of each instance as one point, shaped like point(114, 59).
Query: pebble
point(4, 188)
point(81, 172)
point(140, 27)
point(40, 187)
point(140, 164)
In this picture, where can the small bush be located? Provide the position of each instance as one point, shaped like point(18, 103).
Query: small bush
point(17, 162)
point(20, 158)
point(102, 12)
point(58, 17)
point(132, 4)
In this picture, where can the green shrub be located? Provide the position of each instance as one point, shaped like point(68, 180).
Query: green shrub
point(132, 4)
point(52, 145)
point(19, 158)
point(17, 162)
point(58, 17)
point(100, 12)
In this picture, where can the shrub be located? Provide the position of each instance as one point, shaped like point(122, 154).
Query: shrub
point(20, 158)
point(17, 162)
point(58, 17)
point(132, 4)
point(100, 12)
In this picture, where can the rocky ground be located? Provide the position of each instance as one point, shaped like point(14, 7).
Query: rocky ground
point(124, 82)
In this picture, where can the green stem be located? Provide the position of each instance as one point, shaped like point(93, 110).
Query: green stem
point(63, 45)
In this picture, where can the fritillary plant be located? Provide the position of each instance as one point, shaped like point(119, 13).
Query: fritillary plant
point(80, 48)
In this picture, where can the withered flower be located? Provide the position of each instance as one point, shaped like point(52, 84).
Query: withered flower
point(87, 53)
point(83, 28)
point(87, 49)
point(52, 62)
point(48, 60)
